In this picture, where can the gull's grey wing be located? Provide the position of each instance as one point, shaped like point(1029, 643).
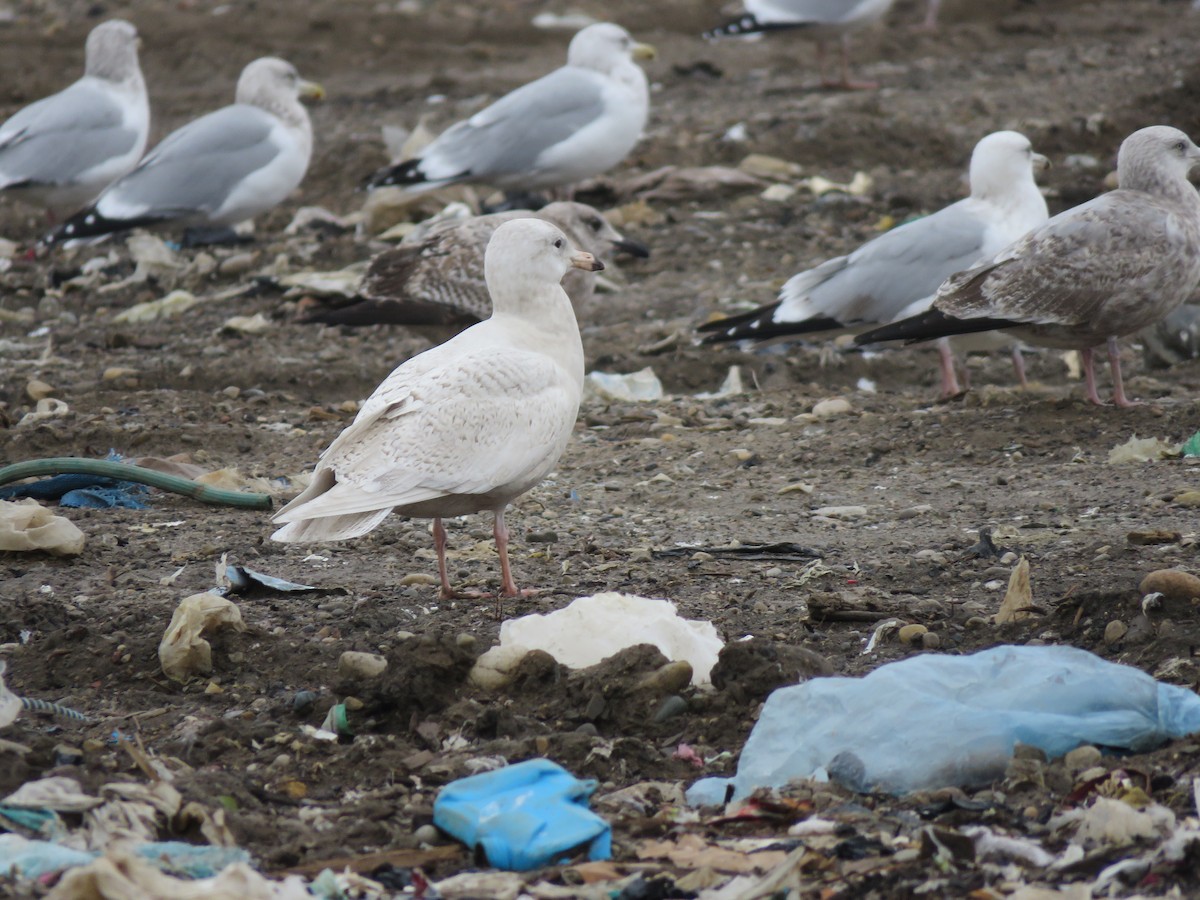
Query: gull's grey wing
point(880, 278)
point(197, 167)
point(799, 11)
point(54, 140)
point(513, 132)
point(1068, 271)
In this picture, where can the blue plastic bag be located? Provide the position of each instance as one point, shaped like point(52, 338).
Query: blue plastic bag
point(936, 720)
point(523, 816)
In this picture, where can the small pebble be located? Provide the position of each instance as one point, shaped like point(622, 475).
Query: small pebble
point(466, 642)
point(1114, 631)
point(302, 701)
point(835, 406)
point(1082, 758)
point(589, 729)
point(355, 664)
point(930, 641)
point(1174, 584)
point(670, 707)
point(38, 390)
point(428, 834)
point(910, 633)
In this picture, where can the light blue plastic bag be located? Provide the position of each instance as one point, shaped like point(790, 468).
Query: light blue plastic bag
point(936, 720)
point(523, 816)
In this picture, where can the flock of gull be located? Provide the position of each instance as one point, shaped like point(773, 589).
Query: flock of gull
point(476, 421)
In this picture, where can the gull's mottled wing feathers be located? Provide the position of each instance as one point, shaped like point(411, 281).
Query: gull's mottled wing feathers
point(513, 132)
point(1065, 272)
point(50, 141)
point(447, 429)
point(198, 166)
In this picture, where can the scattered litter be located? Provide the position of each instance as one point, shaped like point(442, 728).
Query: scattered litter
point(593, 628)
point(780, 551)
point(242, 579)
point(174, 304)
point(689, 182)
point(1191, 447)
point(10, 703)
point(183, 652)
point(523, 816)
point(340, 283)
point(255, 324)
point(931, 721)
point(859, 185)
point(1142, 450)
point(574, 21)
point(28, 526)
point(46, 408)
point(33, 704)
point(730, 387)
point(642, 385)
point(772, 167)
point(1018, 599)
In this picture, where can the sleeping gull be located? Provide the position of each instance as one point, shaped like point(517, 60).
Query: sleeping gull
point(220, 169)
point(1090, 275)
point(437, 280)
point(62, 151)
point(819, 20)
point(468, 425)
point(578, 121)
point(902, 268)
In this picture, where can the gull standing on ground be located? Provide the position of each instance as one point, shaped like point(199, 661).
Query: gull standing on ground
point(1090, 275)
point(903, 267)
point(221, 169)
point(818, 20)
point(437, 280)
point(468, 425)
point(577, 122)
point(62, 151)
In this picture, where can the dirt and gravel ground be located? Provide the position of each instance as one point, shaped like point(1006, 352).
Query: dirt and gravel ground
point(638, 479)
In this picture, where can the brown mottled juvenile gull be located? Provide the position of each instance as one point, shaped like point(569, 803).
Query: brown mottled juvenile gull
point(63, 150)
point(819, 20)
point(438, 280)
point(1090, 275)
point(221, 169)
point(468, 425)
point(902, 268)
point(578, 121)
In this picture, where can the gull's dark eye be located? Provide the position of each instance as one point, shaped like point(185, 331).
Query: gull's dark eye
point(558, 244)
point(1180, 146)
point(595, 224)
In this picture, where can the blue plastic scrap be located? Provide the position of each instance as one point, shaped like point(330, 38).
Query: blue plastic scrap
point(523, 816)
point(34, 859)
point(936, 720)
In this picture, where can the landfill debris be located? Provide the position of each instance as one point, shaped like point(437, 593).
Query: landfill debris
point(858, 186)
point(242, 579)
point(684, 182)
point(640, 386)
point(572, 21)
point(121, 876)
point(523, 816)
point(46, 408)
point(1191, 447)
point(1018, 599)
point(593, 628)
point(933, 720)
point(730, 387)
point(173, 304)
point(10, 703)
point(341, 283)
point(26, 526)
point(784, 550)
point(183, 651)
point(1173, 340)
point(1136, 450)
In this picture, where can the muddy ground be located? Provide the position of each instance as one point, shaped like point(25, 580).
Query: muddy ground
point(639, 478)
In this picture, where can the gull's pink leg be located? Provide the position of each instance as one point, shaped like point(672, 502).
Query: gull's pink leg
point(1018, 362)
point(950, 387)
point(1114, 363)
point(846, 84)
point(439, 544)
point(931, 16)
point(508, 587)
point(1089, 377)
